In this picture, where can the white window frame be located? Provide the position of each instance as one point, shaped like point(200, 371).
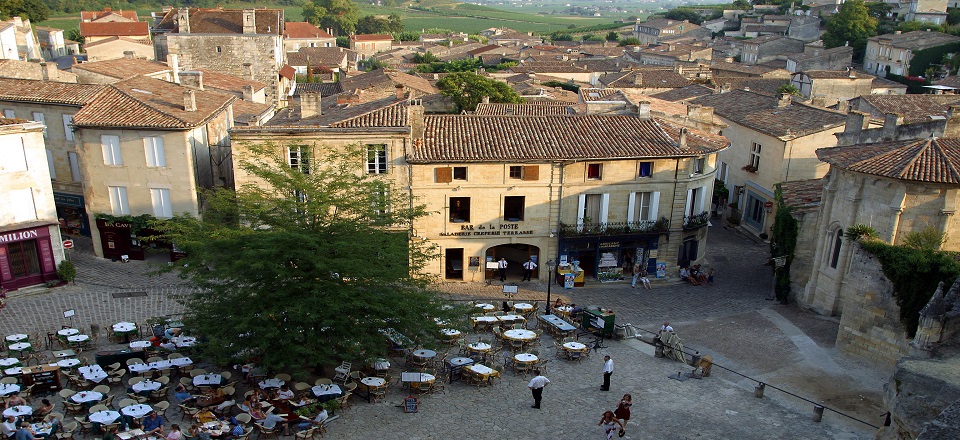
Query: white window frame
point(755, 150)
point(160, 197)
point(295, 158)
point(119, 204)
point(375, 163)
point(640, 200)
point(154, 152)
point(110, 145)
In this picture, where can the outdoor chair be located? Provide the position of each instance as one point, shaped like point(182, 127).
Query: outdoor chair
point(343, 372)
point(263, 432)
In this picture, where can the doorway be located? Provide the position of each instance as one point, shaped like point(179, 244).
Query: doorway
point(454, 264)
point(516, 254)
point(688, 252)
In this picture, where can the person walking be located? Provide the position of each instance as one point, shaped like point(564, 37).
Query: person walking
point(536, 387)
point(623, 409)
point(609, 423)
point(502, 268)
point(528, 268)
point(636, 275)
point(607, 372)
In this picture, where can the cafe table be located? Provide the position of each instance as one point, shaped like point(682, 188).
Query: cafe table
point(93, 373)
point(271, 383)
point(574, 346)
point(44, 428)
point(140, 344)
point(125, 329)
point(184, 341)
point(450, 333)
point(479, 347)
point(326, 392)
point(18, 411)
point(86, 396)
point(483, 371)
point(523, 307)
point(416, 377)
point(67, 332)
point(520, 334)
point(486, 307)
point(60, 354)
point(146, 386)
point(9, 388)
point(511, 318)
point(207, 380)
point(12, 371)
point(424, 353)
point(136, 411)
point(104, 417)
point(564, 310)
point(77, 339)
point(525, 358)
point(68, 363)
point(372, 382)
point(16, 338)
point(456, 364)
point(9, 362)
point(20, 346)
point(180, 362)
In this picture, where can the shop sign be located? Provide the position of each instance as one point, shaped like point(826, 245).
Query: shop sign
point(485, 230)
point(609, 245)
point(67, 200)
point(19, 236)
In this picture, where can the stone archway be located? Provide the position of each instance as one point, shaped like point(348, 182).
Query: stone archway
point(516, 254)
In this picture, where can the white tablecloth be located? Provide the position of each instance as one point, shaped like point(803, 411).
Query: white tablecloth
point(104, 417)
point(9, 362)
point(124, 327)
point(12, 371)
point(86, 396)
point(207, 379)
point(481, 369)
point(146, 385)
point(93, 373)
point(574, 346)
point(17, 337)
point(184, 341)
point(451, 332)
point(140, 344)
point(68, 363)
point(68, 332)
point(18, 411)
point(322, 390)
point(180, 362)
point(525, 357)
point(519, 334)
point(485, 318)
point(20, 346)
point(522, 306)
point(480, 346)
point(485, 306)
point(271, 383)
point(511, 318)
point(407, 376)
point(8, 388)
point(373, 381)
point(460, 361)
point(381, 364)
point(78, 338)
point(136, 410)
point(424, 354)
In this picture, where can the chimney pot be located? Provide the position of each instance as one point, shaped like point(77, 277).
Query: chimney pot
point(249, 21)
point(643, 109)
point(683, 137)
point(189, 100)
point(310, 104)
point(248, 93)
point(952, 128)
point(401, 93)
point(128, 54)
point(783, 100)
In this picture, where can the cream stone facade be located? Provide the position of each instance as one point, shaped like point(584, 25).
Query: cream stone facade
point(118, 47)
point(30, 242)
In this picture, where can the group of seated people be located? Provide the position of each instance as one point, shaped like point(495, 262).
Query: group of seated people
point(263, 408)
point(695, 275)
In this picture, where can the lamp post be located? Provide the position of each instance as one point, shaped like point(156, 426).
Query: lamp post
point(550, 265)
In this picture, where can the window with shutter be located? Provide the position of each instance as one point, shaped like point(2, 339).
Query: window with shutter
point(531, 172)
point(444, 174)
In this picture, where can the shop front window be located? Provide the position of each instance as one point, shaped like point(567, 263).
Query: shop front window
point(23, 258)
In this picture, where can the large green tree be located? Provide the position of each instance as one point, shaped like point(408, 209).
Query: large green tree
point(341, 15)
point(371, 24)
point(467, 89)
point(309, 266)
point(851, 24)
point(35, 10)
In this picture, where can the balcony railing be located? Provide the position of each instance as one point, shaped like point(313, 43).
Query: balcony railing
point(696, 221)
point(615, 228)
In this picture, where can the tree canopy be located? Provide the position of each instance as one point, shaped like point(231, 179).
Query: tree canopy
point(341, 15)
point(308, 267)
point(371, 24)
point(851, 24)
point(467, 89)
point(34, 10)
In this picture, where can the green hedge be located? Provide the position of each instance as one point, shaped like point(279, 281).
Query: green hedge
point(922, 59)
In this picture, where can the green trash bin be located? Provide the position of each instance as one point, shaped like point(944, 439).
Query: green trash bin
point(598, 321)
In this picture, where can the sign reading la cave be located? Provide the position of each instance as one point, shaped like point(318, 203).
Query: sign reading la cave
point(483, 230)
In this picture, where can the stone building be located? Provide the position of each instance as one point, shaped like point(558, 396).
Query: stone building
point(114, 47)
point(818, 58)
point(111, 71)
point(299, 34)
point(52, 43)
point(30, 242)
point(247, 43)
point(895, 187)
point(892, 53)
point(768, 47)
point(368, 45)
point(147, 147)
point(663, 29)
point(599, 189)
point(17, 40)
point(825, 88)
point(647, 80)
point(32, 70)
point(772, 140)
point(54, 104)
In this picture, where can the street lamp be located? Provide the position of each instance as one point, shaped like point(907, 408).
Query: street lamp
point(550, 265)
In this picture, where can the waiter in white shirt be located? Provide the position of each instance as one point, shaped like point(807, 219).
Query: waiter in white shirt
point(502, 268)
point(528, 268)
point(536, 386)
point(607, 371)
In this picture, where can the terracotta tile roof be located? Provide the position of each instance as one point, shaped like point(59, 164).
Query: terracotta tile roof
point(763, 86)
point(143, 41)
point(740, 68)
point(915, 108)
point(635, 96)
point(96, 15)
point(122, 67)
point(471, 138)
point(381, 77)
point(227, 82)
point(12, 121)
point(664, 23)
point(821, 53)
point(802, 195)
point(886, 84)
point(548, 69)
point(118, 28)
point(836, 74)
point(915, 40)
point(684, 93)
point(483, 49)
point(28, 90)
point(760, 113)
point(371, 37)
point(950, 81)
point(317, 56)
point(599, 95)
point(532, 109)
point(304, 30)
point(224, 21)
point(247, 111)
point(144, 102)
point(324, 89)
point(645, 78)
point(287, 72)
point(929, 160)
point(383, 112)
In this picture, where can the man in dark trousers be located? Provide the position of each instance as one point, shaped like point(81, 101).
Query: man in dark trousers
point(528, 268)
point(502, 268)
point(607, 372)
point(536, 386)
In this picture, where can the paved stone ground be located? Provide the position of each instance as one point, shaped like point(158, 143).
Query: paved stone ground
point(780, 345)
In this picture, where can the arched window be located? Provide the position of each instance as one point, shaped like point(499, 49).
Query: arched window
point(837, 242)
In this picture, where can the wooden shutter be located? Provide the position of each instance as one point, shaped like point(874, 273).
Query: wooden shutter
point(531, 172)
point(444, 174)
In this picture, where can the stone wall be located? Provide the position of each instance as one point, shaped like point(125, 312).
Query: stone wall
point(237, 55)
point(803, 254)
point(918, 393)
point(870, 325)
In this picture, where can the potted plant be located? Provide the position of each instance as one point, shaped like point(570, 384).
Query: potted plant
point(332, 406)
point(749, 168)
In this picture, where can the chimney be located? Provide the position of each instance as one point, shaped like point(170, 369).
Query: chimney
point(49, 71)
point(638, 79)
point(890, 123)
point(248, 68)
point(486, 99)
point(843, 106)
point(128, 54)
point(643, 109)
point(249, 21)
point(857, 121)
point(192, 79)
point(401, 93)
point(952, 129)
point(189, 100)
point(699, 113)
point(636, 48)
point(173, 62)
point(248, 93)
point(783, 100)
point(349, 98)
point(183, 21)
point(683, 137)
point(310, 104)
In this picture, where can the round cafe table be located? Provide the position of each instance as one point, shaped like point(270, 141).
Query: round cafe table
point(525, 358)
point(68, 332)
point(574, 346)
point(123, 327)
point(522, 307)
point(373, 381)
point(450, 332)
point(485, 318)
point(86, 396)
point(459, 361)
point(20, 346)
point(9, 362)
point(68, 363)
point(424, 354)
point(479, 346)
point(140, 344)
point(519, 334)
point(184, 341)
point(17, 337)
point(104, 417)
point(78, 338)
point(12, 371)
point(18, 411)
point(486, 307)
point(271, 383)
point(135, 411)
point(146, 385)
point(9, 388)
